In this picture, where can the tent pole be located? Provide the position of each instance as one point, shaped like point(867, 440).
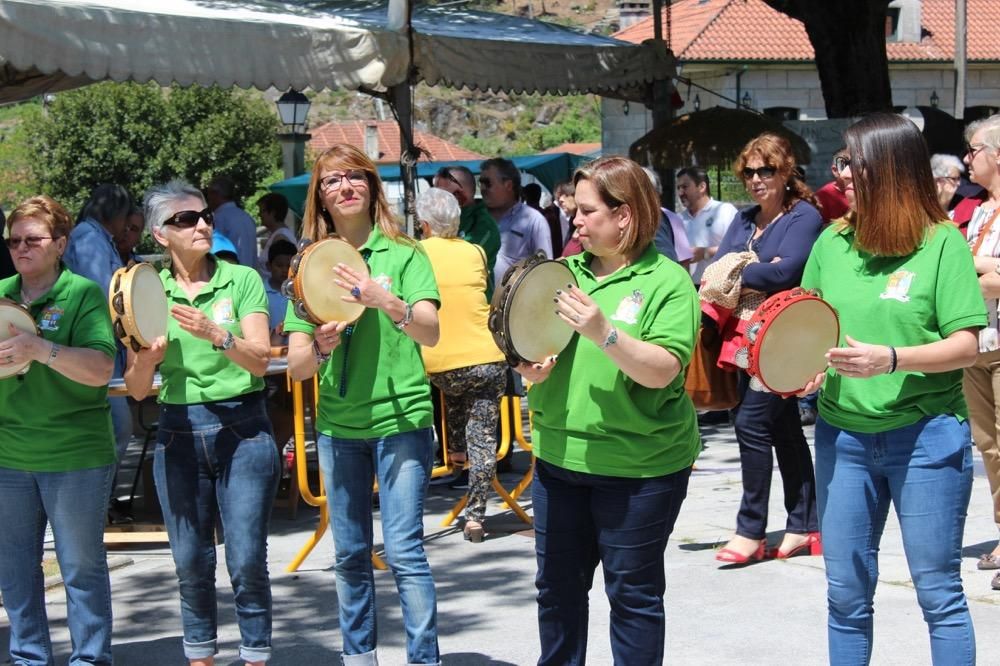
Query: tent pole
point(399, 18)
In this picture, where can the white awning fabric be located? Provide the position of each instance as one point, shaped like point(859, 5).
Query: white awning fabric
point(57, 44)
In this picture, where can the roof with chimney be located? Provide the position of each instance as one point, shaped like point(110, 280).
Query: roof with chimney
point(750, 30)
point(353, 132)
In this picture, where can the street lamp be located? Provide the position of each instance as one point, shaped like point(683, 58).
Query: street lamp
point(747, 100)
point(934, 99)
point(293, 109)
point(697, 103)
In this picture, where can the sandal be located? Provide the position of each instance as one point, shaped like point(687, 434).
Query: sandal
point(988, 561)
point(473, 531)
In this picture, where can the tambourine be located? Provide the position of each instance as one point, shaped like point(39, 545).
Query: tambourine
point(522, 318)
point(138, 304)
point(787, 340)
point(310, 285)
point(18, 315)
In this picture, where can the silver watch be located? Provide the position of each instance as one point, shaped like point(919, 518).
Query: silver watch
point(227, 342)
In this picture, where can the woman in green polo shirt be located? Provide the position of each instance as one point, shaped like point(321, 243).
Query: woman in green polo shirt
point(614, 431)
point(56, 445)
point(375, 412)
point(215, 455)
point(892, 425)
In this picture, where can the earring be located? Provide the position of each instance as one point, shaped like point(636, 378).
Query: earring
point(788, 188)
point(621, 233)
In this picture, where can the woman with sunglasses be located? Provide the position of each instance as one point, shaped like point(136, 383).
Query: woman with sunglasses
point(892, 425)
point(982, 380)
point(780, 229)
point(375, 413)
point(215, 455)
point(56, 448)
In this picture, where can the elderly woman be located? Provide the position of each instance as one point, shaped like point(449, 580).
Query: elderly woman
point(215, 455)
point(614, 432)
point(780, 229)
point(892, 427)
point(466, 364)
point(947, 171)
point(56, 449)
point(375, 413)
point(982, 380)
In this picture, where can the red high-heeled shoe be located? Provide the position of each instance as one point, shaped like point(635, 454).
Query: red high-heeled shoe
point(730, 556)
point(813, 542)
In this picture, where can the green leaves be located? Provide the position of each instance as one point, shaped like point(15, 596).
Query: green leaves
point(139, 134)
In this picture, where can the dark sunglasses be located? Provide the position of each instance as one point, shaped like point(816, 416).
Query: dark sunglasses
point(763, 172)
point(445, 174)
point(189, 218)
point(14, 242)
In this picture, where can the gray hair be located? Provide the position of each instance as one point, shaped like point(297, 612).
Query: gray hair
point(507, 170)
point(991, 131)
point(941, 165)
point(157, 204)
point(654, 178)
point(440, 210)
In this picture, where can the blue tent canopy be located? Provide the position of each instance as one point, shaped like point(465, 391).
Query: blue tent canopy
point(549, 168)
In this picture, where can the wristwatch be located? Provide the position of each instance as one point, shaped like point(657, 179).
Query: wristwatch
point(227, 342)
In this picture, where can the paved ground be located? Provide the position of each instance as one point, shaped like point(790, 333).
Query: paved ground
point(768, 613)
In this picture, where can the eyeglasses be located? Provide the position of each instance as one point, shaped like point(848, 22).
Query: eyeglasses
point(14, 242)
point(186, 219)
point(954, 180)
point(763, 172)
point(447, 175)
point(841, 163)
point(972, 149)
point(335, 181)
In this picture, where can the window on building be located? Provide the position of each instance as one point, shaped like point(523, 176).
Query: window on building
point(782, 112)
point(892, 24)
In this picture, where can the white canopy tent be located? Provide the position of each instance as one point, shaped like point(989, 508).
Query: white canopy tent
point(380, 47)
point(47, 45)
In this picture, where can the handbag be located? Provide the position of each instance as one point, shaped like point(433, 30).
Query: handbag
point(709, 386)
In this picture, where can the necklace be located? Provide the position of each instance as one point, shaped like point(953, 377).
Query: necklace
point(27, 298)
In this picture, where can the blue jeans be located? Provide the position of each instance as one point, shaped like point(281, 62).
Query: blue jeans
point(75, 504)
point(402, 464)
point(582, 519)
point(925, 471)
point(219, 460)
point(766, 422)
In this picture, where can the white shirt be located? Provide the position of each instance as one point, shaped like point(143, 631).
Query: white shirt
point(236, 224)
point(706, 229)
point(523, 231)
point(989, 337)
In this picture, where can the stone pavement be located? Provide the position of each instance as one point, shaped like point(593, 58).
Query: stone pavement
point(768, 613)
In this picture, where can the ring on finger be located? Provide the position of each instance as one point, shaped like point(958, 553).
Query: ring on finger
point(575, 318)
point(356, 291)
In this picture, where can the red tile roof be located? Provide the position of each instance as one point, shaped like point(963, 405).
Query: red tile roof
point(575, 148)
point(751, 30)
point(353, 133)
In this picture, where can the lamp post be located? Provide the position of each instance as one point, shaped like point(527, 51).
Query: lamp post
point(747, 100)
point(293, 108)
point(935, 100)
point(697, 103)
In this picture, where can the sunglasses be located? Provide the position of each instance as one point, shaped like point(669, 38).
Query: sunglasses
point(763, 172)
point(14, 242)
point(841, 163)
point(189, 218)
point(446, 175)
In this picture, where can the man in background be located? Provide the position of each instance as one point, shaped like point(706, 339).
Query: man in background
point(705, 219)
point(523, 230)
point(232, 221)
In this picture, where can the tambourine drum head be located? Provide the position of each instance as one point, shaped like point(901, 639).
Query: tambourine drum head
point(793, 351)
point(315, 279)
point(536, 331)
point(10, 313)
point(149, 304)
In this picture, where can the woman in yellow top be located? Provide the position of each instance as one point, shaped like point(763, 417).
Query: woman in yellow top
point(466, 364)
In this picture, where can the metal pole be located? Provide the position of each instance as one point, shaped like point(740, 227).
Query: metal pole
point(961, 36)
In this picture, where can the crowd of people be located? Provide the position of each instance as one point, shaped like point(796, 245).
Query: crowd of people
point(910, 385)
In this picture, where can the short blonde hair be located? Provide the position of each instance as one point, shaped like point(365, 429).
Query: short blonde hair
point(620, 181)
point(46, 210)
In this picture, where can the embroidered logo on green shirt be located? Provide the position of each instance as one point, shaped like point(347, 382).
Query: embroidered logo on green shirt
point(222, 311)
point(898, 286)
point(50, 318)
point(628, 308)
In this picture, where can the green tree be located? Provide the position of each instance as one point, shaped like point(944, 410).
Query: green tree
point(139, 134)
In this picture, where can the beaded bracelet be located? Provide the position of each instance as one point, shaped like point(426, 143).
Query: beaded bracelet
point(892, 360)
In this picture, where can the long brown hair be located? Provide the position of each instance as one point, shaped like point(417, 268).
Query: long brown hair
point(775, 151)
point(618, 181)
point(894, 193)
point(318, 224)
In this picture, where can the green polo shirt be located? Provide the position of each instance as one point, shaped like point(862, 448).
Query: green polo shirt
point(193, 372)
point(48, 422)
point(588, 416)
point(477, 226)
point(385, 389)
point(897, 301)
